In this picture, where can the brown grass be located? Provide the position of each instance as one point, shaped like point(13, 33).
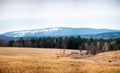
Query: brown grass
point(34, 60)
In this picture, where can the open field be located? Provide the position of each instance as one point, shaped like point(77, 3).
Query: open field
point(43, 60)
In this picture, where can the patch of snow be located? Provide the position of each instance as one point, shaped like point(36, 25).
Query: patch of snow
point(46, 31)
point(49, 30)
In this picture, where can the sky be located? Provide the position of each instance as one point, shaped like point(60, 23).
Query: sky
point(36, 14)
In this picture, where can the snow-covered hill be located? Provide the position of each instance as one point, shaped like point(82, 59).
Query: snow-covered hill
point(57, 31)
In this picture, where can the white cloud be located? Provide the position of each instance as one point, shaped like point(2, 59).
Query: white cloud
point(63, 13)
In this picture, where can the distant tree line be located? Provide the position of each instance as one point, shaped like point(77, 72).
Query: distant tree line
point(93, 46)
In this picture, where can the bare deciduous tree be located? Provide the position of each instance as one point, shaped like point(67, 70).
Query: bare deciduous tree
point(105, 47)
point(64, 45)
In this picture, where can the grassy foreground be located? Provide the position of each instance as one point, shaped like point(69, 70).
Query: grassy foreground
point(34, 60)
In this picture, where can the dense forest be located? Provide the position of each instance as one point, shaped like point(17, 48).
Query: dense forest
point(92, 45)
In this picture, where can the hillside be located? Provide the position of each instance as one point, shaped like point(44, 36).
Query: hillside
point(104, 35)
point(59, 31)
point(3, 37)
point(105, 57)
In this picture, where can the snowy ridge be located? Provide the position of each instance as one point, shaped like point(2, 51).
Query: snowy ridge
point(24, 32)
point(58, 31)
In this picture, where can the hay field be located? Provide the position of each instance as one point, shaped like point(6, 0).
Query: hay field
point(45, 60)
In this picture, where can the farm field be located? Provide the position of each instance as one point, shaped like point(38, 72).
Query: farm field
point(49, 60)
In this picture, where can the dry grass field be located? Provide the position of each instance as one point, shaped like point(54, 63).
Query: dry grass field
point(39, 60)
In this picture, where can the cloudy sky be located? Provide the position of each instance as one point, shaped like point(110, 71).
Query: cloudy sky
point(36, 14)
